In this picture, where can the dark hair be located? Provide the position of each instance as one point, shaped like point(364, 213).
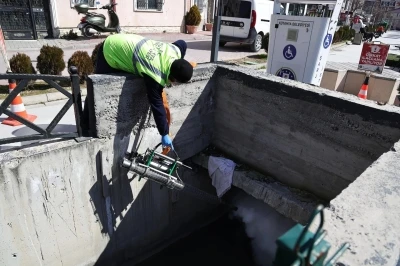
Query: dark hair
point(181, 70)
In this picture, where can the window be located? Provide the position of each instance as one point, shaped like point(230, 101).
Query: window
point(90, 3)
point(236, 9)
point(149, 5)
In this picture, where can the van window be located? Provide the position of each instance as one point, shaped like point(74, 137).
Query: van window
point(236, 8)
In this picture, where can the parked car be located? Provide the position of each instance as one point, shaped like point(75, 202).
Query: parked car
point(245, 21)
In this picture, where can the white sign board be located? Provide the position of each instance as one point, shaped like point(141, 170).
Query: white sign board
point(299, 45)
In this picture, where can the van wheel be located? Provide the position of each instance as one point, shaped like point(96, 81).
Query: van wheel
point(256, 45)
point(222, 44)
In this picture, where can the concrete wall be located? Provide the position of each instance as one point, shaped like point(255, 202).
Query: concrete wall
point(366, 215)
point(333, 79)
point(70, 203)
point(306, 137)
point(131, 20)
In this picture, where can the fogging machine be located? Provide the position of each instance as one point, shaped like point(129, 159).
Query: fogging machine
point(155, 166)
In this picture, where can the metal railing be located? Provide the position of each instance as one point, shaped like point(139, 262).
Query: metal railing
point(74, 99)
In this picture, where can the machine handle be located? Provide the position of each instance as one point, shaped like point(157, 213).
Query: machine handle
point(318, 210)
point(159, 144)
point(338, 254)
point(176, 160)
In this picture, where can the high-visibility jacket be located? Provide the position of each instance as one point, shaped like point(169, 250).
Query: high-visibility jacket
point(135, 54)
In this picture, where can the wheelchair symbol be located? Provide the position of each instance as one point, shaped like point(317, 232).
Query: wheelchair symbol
point(286, 73)
point(327, 40)
point(289, 52)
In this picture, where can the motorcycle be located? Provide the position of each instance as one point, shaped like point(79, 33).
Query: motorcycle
point(93, 23)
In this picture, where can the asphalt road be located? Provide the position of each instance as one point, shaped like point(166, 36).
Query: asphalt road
point(198, 51)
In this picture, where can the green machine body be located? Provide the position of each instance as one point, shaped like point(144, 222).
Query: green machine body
point(300, 247)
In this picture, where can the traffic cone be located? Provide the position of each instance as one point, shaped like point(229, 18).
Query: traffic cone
point(364, 89)
point(17, 107)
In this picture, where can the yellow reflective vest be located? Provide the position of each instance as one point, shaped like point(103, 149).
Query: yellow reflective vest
point(137, 55)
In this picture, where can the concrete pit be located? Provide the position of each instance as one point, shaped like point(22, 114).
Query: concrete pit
point(243, 237)
point(297, 145)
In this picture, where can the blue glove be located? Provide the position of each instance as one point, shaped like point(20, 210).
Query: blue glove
point(166, 141)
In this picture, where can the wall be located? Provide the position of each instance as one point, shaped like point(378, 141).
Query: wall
point(366, 215)
point(70, 203)
point(131, 21)
point(306, 137)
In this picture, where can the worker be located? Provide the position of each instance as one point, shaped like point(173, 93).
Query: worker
point(380, 30)
point(158, 63)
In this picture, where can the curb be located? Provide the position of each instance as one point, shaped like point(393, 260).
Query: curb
point(198, 37)
point(339, 45)
point(45, 98)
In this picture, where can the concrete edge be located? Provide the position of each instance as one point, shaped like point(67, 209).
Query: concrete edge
point(45, 98)
point(349, 98)
point(91, 45)
point(292, 203)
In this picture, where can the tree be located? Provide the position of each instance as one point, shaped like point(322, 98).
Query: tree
point(356, 4)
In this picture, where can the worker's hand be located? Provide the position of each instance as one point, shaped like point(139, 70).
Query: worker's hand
point(167, 142)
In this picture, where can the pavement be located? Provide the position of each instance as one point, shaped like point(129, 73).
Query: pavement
point(199, 46)
point(350, 53)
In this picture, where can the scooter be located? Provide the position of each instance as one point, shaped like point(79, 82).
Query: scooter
point(93, 23)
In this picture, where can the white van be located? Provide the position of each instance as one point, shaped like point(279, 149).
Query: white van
point(245, 21)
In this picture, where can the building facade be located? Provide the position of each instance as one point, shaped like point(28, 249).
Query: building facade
point(34, 19)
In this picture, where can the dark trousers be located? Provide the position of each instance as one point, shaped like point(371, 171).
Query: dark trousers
point(102, 67)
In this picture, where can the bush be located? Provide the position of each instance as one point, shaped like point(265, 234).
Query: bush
point(265, 42)
point(193, 17)
point(393, 61)
point(50, 60)
point(344, 33)
point(71, 35)
point(21, 63)
point(83, 62)
point(94, 54)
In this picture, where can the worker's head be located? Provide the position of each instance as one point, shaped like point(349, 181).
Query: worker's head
point(181, 71)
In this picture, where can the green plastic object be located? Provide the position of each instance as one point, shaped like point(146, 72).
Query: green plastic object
point(300, 247)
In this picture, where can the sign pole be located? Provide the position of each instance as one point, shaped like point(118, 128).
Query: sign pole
point(216, 32)
point(3, 50)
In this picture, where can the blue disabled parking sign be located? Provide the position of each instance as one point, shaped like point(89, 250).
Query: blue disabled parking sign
point(327, 40)
point(289, 52)
point(287, 73)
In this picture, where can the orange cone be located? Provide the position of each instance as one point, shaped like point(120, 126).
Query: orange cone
point(364, 89)
point(18, 108)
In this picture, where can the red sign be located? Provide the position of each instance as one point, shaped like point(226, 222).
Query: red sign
point(373, 57)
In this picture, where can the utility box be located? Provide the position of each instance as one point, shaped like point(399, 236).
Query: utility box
point(299, 45)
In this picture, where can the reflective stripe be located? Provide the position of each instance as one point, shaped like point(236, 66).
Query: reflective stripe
point(176, 49)
point(16, 108)
point(137, 58)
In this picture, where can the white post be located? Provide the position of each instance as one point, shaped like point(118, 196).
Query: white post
point(287, 8)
